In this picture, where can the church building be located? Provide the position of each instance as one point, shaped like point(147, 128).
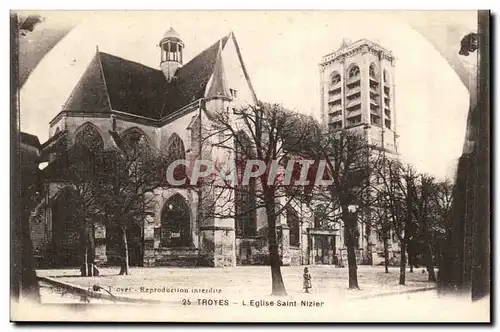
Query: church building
point(117, 99)
point(357, 94)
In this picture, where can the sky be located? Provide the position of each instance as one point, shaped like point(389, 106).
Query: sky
point(282, 51)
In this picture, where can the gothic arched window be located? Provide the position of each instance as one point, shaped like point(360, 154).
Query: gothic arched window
point(135, 139)
point(293, 222)
point(354, 71)
point(196, 135)
point(335, 78)
point(175, 150)
point(88, 136)
point(175, 223)
point(373, 71)
point(245, 204)
point(319, 215)
point(386, 76)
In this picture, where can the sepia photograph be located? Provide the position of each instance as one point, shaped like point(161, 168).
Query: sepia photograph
point(250, 166)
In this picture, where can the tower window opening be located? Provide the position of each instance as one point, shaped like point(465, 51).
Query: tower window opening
point(387, 113)
point(375, 119)
point(334, 108)
point(336, 113)
point(334, 102)
point(335, 79)
point(354, 84)
point(388, 124)
point(373, 84)
point(335, 91)
point(353, 96)
point(373, 71)
point(386, 76)
point(354, 72)
point(354, 120)
point(374, 95)
point(354, 108)
point(336, 125)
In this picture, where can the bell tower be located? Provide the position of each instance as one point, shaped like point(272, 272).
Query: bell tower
point(171, 47)
point(357, 92)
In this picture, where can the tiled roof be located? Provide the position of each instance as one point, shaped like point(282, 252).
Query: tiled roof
point(218, 87)
point(113, 83)
point(132, 87)
point(193, 78)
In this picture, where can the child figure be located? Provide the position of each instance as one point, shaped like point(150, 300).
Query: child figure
point(307, 280)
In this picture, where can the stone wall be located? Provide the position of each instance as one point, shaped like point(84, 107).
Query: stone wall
point(296, 257)
point(176, 257)
point(252, 251)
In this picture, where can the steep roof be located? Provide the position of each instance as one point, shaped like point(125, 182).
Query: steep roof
point(29, 139)
point(193, 77)
point(113, 83)
point(218, 86)
point(89, 94)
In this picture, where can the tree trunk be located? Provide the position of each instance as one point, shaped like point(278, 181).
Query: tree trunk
point(369, 255)
point(26, 278)
point(124, 268)
point(350, 238)
point(386, 253)
point(402, 264)
point(429, 262)
point(409, 249)
point(87, 243)
point(278, 286)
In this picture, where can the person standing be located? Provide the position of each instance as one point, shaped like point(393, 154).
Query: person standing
point(307, 280)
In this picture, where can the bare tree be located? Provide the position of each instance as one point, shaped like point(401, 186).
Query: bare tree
point(378, 217)
point(398, 192)
point(425, 190)
point(78, 170)
point(127, 180)
point(441, 216)
point(262, 139)
point(348, 159)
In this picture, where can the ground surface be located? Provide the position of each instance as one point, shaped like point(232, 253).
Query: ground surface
point(174, 284)
point(239, 286)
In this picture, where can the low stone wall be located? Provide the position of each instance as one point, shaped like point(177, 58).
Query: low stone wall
point(175, 257)
point(295, 256)
point(251, 251)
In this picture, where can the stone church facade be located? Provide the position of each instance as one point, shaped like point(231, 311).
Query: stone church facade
point(117, 99)
point(120, 100)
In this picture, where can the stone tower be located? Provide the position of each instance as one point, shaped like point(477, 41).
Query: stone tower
point(171, 46)
point(357, 92)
